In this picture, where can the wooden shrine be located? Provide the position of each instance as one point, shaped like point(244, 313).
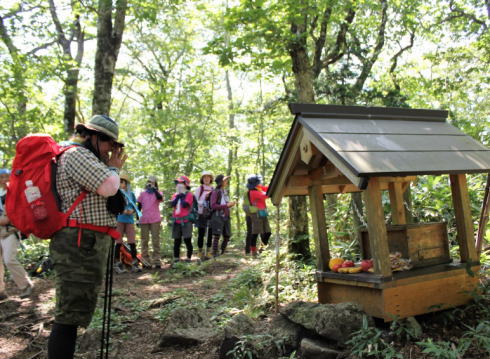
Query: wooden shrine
point(343, 149)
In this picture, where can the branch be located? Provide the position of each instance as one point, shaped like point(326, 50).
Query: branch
point(320, 42)
point(41, 47)
point(394, 59)
point(18, 10)
point(458, 13)
point(369, 62)
point(337, 53)
point(121, 7)
point(80, 43)
point(59, 29)
point(7, 40)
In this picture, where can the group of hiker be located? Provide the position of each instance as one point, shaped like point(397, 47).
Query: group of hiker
point(207, 209)
point(92, 205)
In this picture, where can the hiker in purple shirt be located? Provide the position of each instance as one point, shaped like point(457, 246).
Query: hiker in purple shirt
point(220, 219)
point(149, 203)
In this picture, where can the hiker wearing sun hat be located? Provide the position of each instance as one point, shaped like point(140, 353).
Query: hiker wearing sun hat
point(80, 251)
point(220, 219)
point(202, 195)
point(125, 226)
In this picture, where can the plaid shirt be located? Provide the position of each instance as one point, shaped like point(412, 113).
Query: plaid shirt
point(80, 169)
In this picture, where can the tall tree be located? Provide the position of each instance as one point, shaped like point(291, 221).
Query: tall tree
point(23, 44)
point(109, 39)
point(315, 39)
point(72, 63)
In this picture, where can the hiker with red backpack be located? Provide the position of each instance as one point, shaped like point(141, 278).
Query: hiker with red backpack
point(256, 219)
point(125, 226)
point(220, 219)
point(182, 203)
point(9, 245)
point(80, 250)
point(150, 221)
point(202, 195)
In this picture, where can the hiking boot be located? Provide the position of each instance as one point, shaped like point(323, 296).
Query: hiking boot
point(135, 268)
point(26, 292)
point(202, 255)
point(3, 295)
point(119, 268)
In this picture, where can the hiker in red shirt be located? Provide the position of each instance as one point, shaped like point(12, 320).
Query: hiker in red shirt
point(182, 202)
point(257, 223)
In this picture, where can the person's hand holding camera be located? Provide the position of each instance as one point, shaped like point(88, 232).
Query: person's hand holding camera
point(118, 157)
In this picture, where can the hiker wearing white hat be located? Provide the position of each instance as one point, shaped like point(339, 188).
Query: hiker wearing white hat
point(202, 195)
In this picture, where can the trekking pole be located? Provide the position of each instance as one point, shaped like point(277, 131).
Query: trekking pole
point(106, 315)
point(278, 238)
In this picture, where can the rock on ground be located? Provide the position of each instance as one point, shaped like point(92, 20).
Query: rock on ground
point(289, 332)
point(187, 327)
point(334, 322)
point(314, 349)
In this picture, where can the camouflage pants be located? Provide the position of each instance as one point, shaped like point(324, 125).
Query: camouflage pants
point(78, 273)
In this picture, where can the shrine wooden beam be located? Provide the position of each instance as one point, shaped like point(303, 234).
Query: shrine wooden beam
point(378, 237)
point(319, 227)
point(464, 222)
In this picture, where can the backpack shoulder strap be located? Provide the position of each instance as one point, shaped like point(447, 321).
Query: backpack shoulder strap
point(201, 192)
point(250, 199)
point(77, 201)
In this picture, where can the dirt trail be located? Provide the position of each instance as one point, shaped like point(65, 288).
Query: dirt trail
point(140, 304)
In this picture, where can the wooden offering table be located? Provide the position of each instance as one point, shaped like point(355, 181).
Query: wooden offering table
point(346, 149)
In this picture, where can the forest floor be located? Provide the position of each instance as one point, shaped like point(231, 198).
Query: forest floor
point(142, 302)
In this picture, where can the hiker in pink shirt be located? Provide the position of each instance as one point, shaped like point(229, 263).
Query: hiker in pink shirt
point(149, 202)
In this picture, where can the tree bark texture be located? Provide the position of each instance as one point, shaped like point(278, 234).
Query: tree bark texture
point(231, 123)
point(299, 241)
point(109, 39)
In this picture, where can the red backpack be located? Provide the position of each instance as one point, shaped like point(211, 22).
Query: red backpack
point(36, 158)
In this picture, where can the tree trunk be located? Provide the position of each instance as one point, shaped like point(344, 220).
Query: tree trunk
point(238, 211)
point(70, 89)
point(231, 123)
point(299, 241)
point(357, 214)
point(407, 199)
point(109, 38)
